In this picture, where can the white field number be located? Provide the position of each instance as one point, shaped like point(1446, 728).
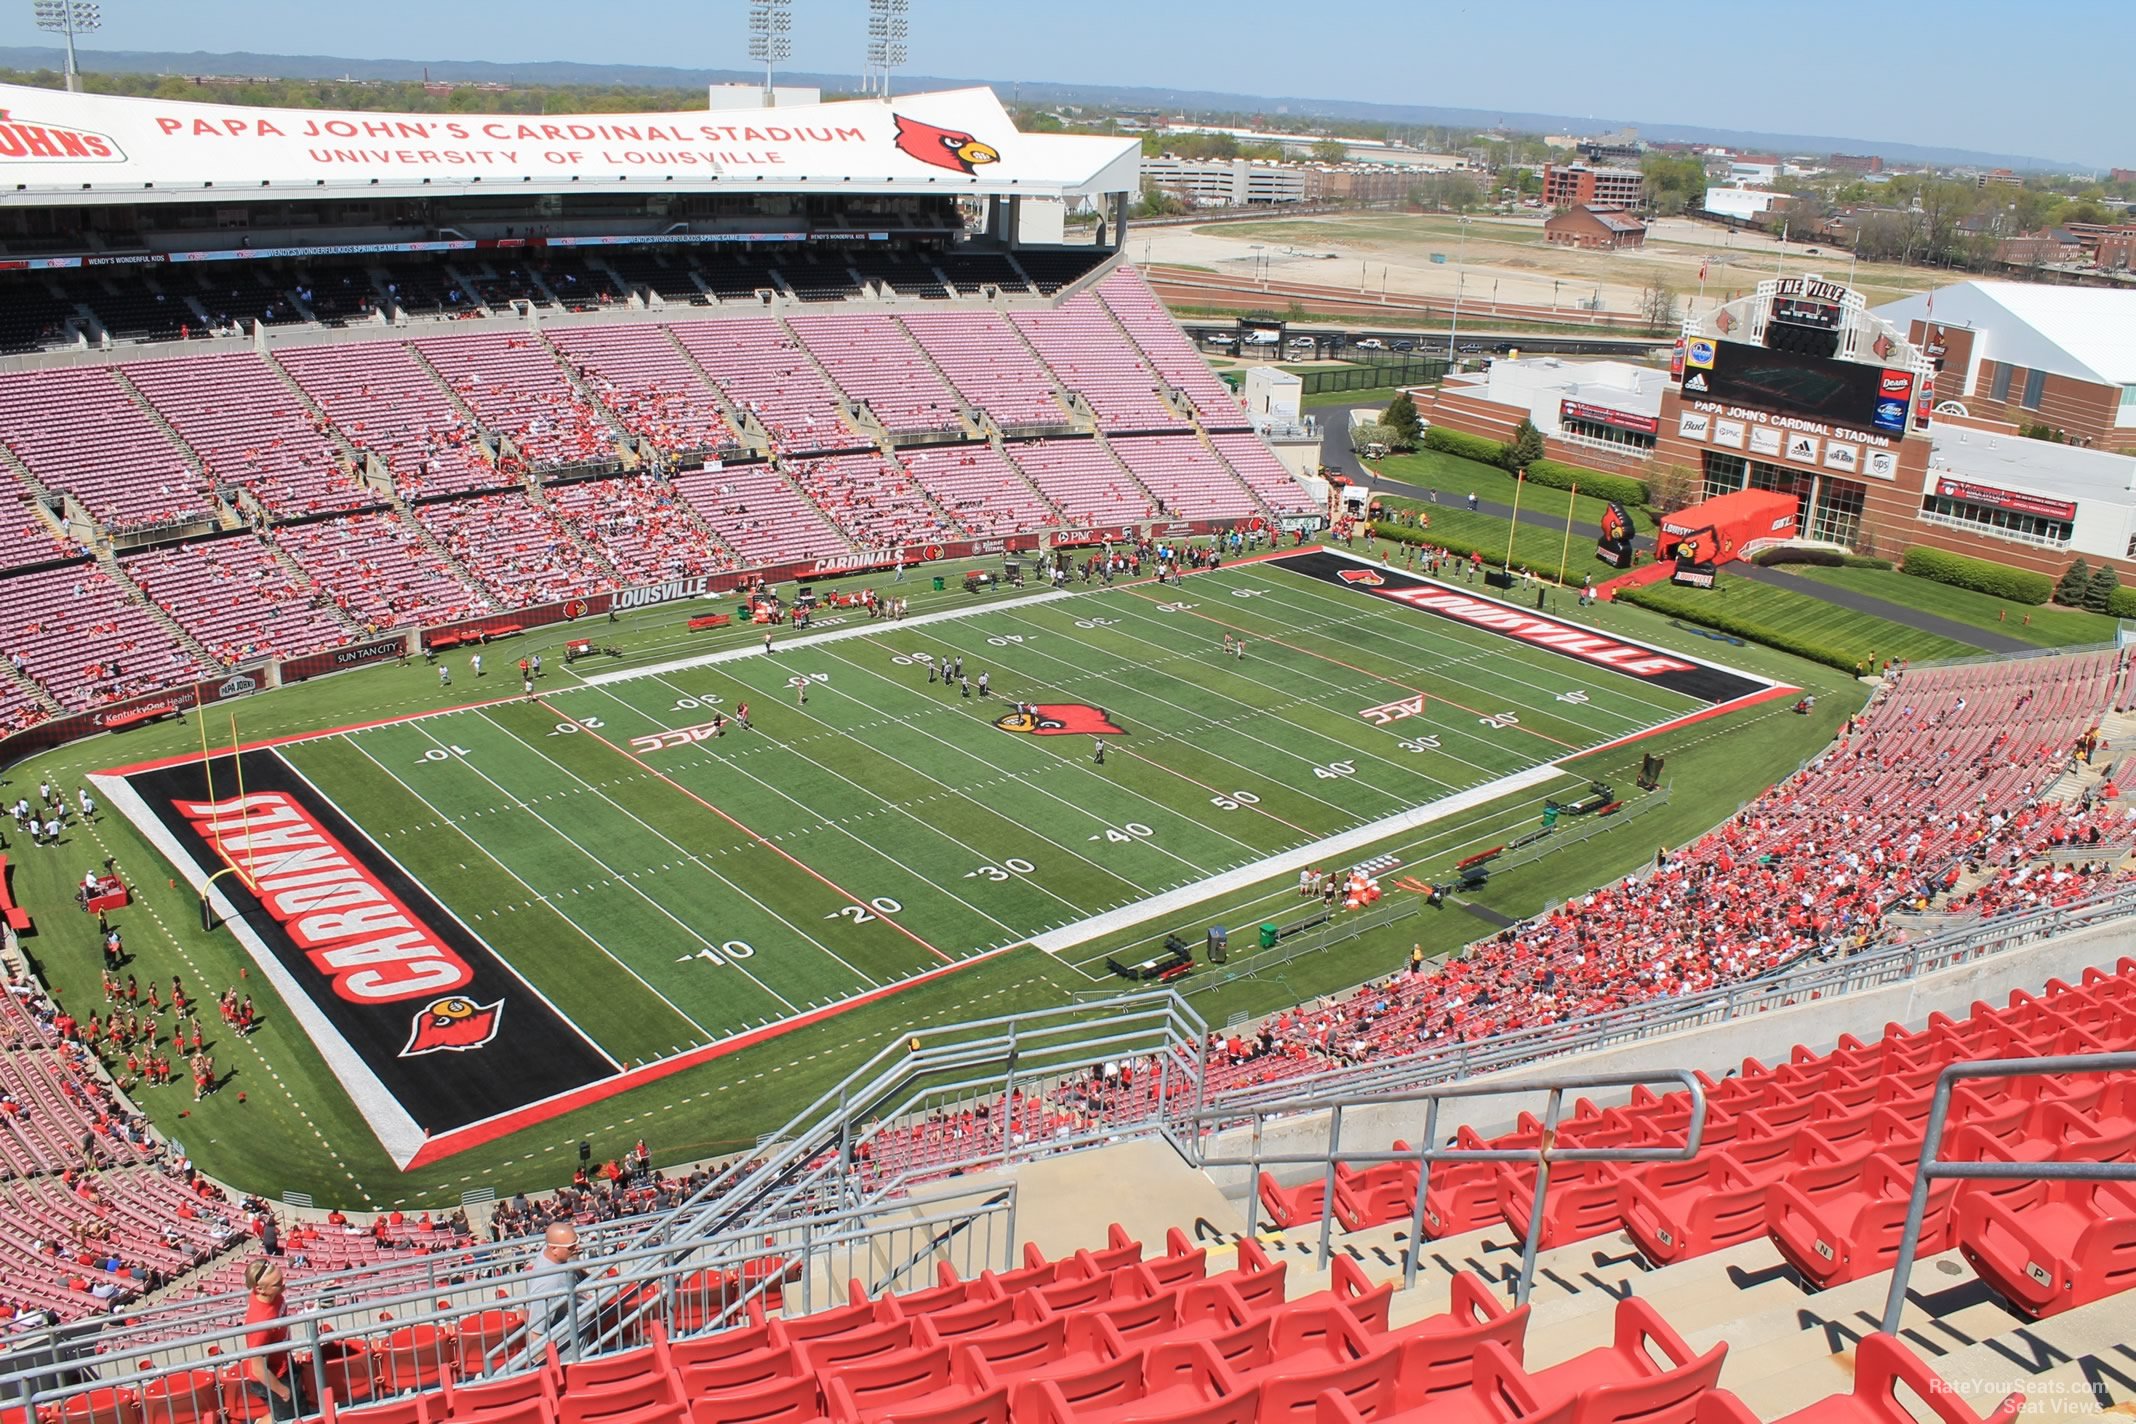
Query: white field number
point(1235, 800)
point(862, 914)
point(1125, 835)
point(1175, 607)
point(1419, 744)
point(1335, 770)
point(444, 753)
point(1005, 640)
point(1095, 622)
point(1500, 720)
point(1013, 866)
point(732, 950)
point(710, 699)
point(571, 729)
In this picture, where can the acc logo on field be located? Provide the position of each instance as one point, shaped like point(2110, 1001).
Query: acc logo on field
point(1051, 719)
point(454, 1025)
point(1699, 353)
point(1364, 576)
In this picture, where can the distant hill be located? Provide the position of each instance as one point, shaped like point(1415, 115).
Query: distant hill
point(319, 66)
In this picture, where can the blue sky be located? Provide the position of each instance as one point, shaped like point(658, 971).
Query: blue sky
point(1963, 74)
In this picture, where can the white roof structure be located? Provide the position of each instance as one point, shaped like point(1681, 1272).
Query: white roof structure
point(102, 148)
point(2036, 466)
point(2086, 333)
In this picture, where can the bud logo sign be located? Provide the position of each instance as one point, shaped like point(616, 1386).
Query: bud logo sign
point(27, 141)
point(431, 1031)
point(1674, 671)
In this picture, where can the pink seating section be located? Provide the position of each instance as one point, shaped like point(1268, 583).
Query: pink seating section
point(382, 399)
point(989, 365)
point(872, 359)
point(1079, 341)
point(521, 552)
point(78, 432)
point(872, 497)
point(232, 595)
point(25, 537)
point(759, 514)
point(763, 370)
point(382, 572)
point(516, 389)
point(982, 491)
point(86, 642)
point(640, 374)
point(1818, 1153)
point(1157, 334)
point(641, 526)
point(1103, 1337)
point(252, 431)
point(1186, 475)
point(1089, 485)
point(1252, 460)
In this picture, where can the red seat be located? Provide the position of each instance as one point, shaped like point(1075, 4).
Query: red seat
point(833, 1353)
point(181, 1399)
point(485, 1337)
point(1677, 1210)
point(793, 1401)
point(415, 1357)
point(1042, 1349)
point(751, 1370)
point(506, 1397)
point(1579, 1203)
point(1626, 1378)
point(1294, 1206)
point(2074, 1246)
point(1196, 1396)
point(1497, 1393)
point(98, 1406)
point(1881, 1365)
point(892, 1385)
point(651, 1397)
point(415, 1409)
point(1856, 1232)
point(604, 1371)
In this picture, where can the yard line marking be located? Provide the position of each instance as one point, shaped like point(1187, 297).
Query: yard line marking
point(561, 834)
point(539, 896)
point(1333, 848)
point(803, 866)
point(887, 803)
point(1381, 613)
point(689, 855)
point(1063, 758)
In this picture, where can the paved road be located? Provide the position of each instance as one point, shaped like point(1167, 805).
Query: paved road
point(1335, 451)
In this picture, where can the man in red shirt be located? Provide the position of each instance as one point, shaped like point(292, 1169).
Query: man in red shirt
point(272, 1380)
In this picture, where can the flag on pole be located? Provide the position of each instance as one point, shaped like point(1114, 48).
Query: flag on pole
point(1702, 271)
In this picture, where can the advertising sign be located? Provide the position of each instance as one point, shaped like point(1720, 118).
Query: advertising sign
point(2011, 500)
point(1789, 383)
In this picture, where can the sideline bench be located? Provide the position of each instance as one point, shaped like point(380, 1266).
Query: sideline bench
point(710, 620)
point(18, 919)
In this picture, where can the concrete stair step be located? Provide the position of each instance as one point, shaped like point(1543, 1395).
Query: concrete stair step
point(2077, 1362)
point(1739, 1280)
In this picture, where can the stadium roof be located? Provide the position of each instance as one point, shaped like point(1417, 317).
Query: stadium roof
point(101, 148)
point(2088, 333)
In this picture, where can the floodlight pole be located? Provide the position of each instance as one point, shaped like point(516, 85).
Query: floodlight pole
point(771, 38)
point(887, 29)
point(69, 18)
point(1460, 255)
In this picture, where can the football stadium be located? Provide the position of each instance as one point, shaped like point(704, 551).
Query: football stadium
point(694, 767)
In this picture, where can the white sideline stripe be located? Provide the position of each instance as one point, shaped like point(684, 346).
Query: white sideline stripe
point(397, 1132)
point(1334, 847)
point(867, 628)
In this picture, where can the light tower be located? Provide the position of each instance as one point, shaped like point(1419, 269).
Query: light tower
point(886, 38)
point(69, 18)
point(771, 37)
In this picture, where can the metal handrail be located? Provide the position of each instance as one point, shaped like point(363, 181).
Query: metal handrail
point(1932, 1168)
point(1542, 1155)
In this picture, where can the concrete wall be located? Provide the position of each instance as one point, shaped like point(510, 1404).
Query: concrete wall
point(1713, 1049)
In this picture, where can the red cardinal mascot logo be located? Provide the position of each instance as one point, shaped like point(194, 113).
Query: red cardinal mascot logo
point(1051, 719)
point(453, 1023)
point(944, 148)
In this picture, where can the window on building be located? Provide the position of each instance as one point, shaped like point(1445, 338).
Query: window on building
point(1998, 523)
point(2126, 413)
point(1724, 474)
point(1838, 517)
point(2035, 387)
point(2001, 389)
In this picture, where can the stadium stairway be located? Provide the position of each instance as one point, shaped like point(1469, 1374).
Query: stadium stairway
point(749, 431)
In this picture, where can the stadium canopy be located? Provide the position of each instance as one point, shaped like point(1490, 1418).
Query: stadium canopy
point(57, 147)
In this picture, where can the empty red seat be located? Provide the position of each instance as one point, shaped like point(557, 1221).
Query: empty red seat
point(1677, 1210)
point(793, 1401)
point(1293, 1206)
point(1194, 1396)
point(890, 1385)
point(1881, 1365)
point(486, 1339)
point(506, 1397)
point(1580, 1201)
point(181, 1398)
point(1854, 1233)
point(1646, 1373)
point(2074, 1245)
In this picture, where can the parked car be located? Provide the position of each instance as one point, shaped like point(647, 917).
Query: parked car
point(1221, 338)
point(1302, 343)
point(1405, 346)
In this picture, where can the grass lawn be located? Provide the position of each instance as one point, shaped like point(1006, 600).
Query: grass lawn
point(1374, 399)
point(1783, 617)
point(667, 898)
point(1456, 477)
point(2047, 627)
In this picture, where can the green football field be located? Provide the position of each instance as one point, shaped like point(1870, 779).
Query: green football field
point(673, 895)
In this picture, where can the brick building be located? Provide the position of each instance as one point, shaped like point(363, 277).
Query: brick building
point(1567, 185)
point(2027, 354)
point(1594, 229)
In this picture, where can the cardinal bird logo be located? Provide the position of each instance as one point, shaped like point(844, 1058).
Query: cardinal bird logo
point(1689, 551)
point(1364, 576)
point(1616, 524)
point(453, 1024)
point(1054, 719)
point(943, 148)
point(1883, 346)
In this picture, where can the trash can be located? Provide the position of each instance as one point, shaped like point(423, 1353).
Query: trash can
point(940, 583)
point(1268, 935)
